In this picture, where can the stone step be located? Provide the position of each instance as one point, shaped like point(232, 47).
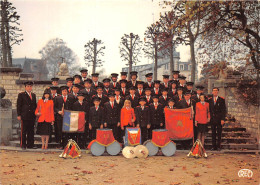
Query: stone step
point(231, 134)
point(250, 140)
point(38, 144)
point(232, 146)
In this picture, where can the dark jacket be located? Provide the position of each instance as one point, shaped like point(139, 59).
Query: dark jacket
point(26, 106)
point(126, 92)
point(112, 85)
point(134, 102)
point(121, 102)
point(217, 110)
point(109, 91)
point(88, 95)
point(146, 85)
point(112, 116)
point(104, 99)
point(96, 118)
point(138, 94)
point(58, 105)
point(163, 101)
point(156, 114)
point(183, 104)
point(142, 116)
point(154, 93)
point(99, 84)
point(72, 99)
point(84, 108)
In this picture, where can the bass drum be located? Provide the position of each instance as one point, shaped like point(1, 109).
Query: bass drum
point(114, 148)
point(169, 149)
point(97, 149)
point(153, 150)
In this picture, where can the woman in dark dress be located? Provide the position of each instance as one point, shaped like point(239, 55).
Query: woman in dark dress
point(45, 113)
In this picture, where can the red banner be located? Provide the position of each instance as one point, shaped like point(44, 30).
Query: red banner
point(160, 137)
point(179, 123)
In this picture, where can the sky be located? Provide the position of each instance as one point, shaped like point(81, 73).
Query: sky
point(79, 21)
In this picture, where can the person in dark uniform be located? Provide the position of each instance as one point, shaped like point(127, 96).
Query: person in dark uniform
point(165, 83)
point(156, 113)
point(175, 77)
point(78, 81)
point(61, 103)
point(164, 98)
point(55, 83)
point(133, 80)
point(73, 96)
point(96, 118)
point(173, 89)
point(123, 75)
point(26, 105)
point(199, 91)
point(88, 91)
point(69, 83)
point(148, 97)
point(142, 114)
point(114, 84)
point(179, 96)
point(118, 99)
point(156, 90)
point(84, 74)
point(112, 115)
point(53, 92)
point(95, 83)
point(182, 83)
point(140, 89)
point(190, 88)
point(101, 95)
point(132, 97)
point(217, 109)
point(171, 104)
point(53, 95)
point(149, 79)
point(123, 89)
point(107, 90)
point(83, 106)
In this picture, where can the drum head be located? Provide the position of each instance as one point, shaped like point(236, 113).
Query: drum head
point(153, 150)
point(141, 151)
point(114, 148)
point(97, 149)
point(169, 149)
point(160, 130)
point(128, 152)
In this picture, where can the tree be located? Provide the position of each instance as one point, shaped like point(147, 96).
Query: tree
point(152, 44)
point(93, 51)
point(54, 52)
point(10, 32)
point(130, 48)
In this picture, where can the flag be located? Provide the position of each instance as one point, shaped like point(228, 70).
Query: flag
point(73, 121)
point(132, 136)
point(71, 150)
point(179, 123)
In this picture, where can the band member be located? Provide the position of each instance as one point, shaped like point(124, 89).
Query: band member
point(186, 102)
point(55, 83)
point(179, 96)
point(149, 79)
point(140, 89)
point(107, 90)
point(118, 99)
point(202, 117)
point(123, 75)
point(124, 91)
point(88, 91)
point(190, 88)
point(114, 84)
point(196, 97)
point(175, 75)
point(148, 97)
point(164, 98)
point(26, 105)
point(101, 95)
point(142, 114)
point(96, 118)
point(73, 96)
point(45, 112)
point(61, 103)
point(156, 113)
point(165, 83)
point(132, 97)
point(78, 81)
point(84, 74)
point(133, 80)
point(53, 92)
point(217, 108)
point(95, 83)
point(156, 90)
point(112, 115)
point(171, 104)
point(182, 83)
point(69, 83)
point(127, 117)
point(83, 106)
point(173, 89)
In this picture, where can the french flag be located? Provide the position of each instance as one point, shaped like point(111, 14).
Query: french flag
point(73, 121)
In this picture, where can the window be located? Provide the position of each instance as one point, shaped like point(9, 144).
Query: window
point(181, 67)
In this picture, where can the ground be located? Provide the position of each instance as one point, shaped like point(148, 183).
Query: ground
point(47, 168)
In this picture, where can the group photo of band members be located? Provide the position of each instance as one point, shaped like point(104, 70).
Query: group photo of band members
point(117, 103)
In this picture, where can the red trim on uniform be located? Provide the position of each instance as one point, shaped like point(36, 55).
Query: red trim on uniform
point(21, 143)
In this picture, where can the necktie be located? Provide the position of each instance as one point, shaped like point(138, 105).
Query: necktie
point(124, 91)
point(114, 84)
point(112, 105)
point(155, 106)
point(117, 97)
point(140, 92)
point(215, 99)
point(96, 84)
point(149, 84)
point(132, 97)
point(156, 91)
point(188, 103)
point(31, 96)
point(88, 90)
point(64, 99)
point(107, 90)
point(96, 108)
point(164, 97)
point(148, 99)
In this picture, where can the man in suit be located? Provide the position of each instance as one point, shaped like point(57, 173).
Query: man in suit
point(96, 118)
point(114, 84)
point(165, 83)
point(140, 89)
point(156, 90)
point(132, 97)
point(148, 97)
point(78, 80)
point(199, 91)
point(149, 79)
point(88, 91)
point(112, 115)
point(156, 113)
point(95, 83)
point(142, 114)
point(164, 98)
point(217, 109)
point(26, 105)
point(73, 96)
point(179, 96)
point(61, 103)
point(107, 90)
point(101, 95)
point(69, 83)
point(182, 83)
point(123, 75)
point(119, 100)
point(133, 80)
point(190, 88)
point(173, 89)
point(55, 83)
point(123, 88)
point(84, 74)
